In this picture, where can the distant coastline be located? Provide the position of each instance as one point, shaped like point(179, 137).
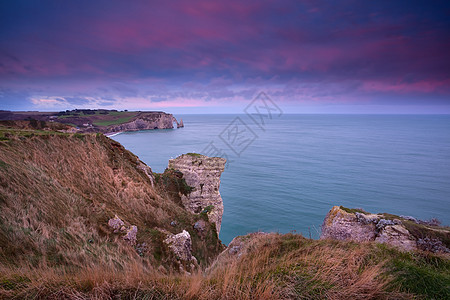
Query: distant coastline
point(104, 121)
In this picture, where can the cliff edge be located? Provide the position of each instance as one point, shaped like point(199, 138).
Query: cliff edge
point(404, 233)
point(202, 174)
point(99, 120)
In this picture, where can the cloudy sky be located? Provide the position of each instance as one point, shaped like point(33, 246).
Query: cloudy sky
point(216, 56)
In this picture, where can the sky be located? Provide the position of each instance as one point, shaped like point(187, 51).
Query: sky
point(347, 56)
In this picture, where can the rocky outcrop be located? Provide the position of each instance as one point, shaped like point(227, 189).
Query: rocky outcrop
point(341, 225)
point(145, 120)
point(398, 236)
point(118, 226)
point(202, 174)
point(181, 246)
point(357, 225)
point(179, 124)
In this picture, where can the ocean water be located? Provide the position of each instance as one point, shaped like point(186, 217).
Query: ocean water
point(286, 175)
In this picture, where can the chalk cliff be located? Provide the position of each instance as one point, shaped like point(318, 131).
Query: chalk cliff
point(104, 121)
point(202, 174)
point(145, 120)
point(405, 233)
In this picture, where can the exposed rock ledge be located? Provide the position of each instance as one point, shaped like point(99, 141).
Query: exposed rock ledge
point(202, 174)
point(401, 232)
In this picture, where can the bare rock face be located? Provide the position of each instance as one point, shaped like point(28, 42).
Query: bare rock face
point(118, 226)
point(202, 174)
point(397, 236)
point(145, 120)
point(181, 245)
point(131, 234)
point(179, 124)
point(340, 224)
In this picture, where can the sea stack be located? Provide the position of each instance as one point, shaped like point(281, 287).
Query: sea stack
point(202, 174)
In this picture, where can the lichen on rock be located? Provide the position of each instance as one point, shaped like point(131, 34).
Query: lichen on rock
point(345, 224)
point(342, 225)
point(116, 224)
point(130, 235)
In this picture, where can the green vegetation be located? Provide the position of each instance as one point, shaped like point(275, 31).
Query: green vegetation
point(115, 121)
point(194, 154)
point(173, 183)
point(419, 273)
point(3, 165)
point(353, 210)
point(99, 117)
point(421, 231)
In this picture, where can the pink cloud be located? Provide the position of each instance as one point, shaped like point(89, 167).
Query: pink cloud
point(404, 87)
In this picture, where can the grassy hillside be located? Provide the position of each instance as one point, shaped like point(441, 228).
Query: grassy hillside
point(273, 266)
point(58, 191)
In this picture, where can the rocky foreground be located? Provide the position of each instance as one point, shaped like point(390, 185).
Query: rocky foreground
point(83, 218)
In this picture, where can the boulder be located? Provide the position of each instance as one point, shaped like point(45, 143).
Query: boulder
point(343, 224)
point(119, 226)
point(181, 246)
point(116, 224)
point(130, 235)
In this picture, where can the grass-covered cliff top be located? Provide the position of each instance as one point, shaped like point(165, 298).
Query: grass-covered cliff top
point(58, 191)
point(420, 229)
point(85, 119)
point(272, 266)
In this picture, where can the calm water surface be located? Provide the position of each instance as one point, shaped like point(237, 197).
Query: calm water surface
point(290, 176)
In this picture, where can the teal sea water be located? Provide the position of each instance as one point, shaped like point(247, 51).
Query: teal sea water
point(292, 170)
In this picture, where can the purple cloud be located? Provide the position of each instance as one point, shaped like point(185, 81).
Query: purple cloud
point(222, 53)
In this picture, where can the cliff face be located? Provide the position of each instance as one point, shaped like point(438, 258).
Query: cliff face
point(202, 174)
point(405, 233)
point(144, 121)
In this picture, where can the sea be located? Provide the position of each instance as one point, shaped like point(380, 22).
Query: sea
point(285, 172)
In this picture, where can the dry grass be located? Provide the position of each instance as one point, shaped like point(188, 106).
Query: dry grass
point(276, 267)
point(57, 193)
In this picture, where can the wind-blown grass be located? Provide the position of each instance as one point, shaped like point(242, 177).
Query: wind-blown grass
point(57, 193)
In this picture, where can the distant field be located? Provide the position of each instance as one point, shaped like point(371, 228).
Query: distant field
point(100, 119)
point(114, 118)
point(113, 122)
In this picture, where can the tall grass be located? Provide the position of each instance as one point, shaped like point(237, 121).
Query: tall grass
point(275, 267)
point(57, 193)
